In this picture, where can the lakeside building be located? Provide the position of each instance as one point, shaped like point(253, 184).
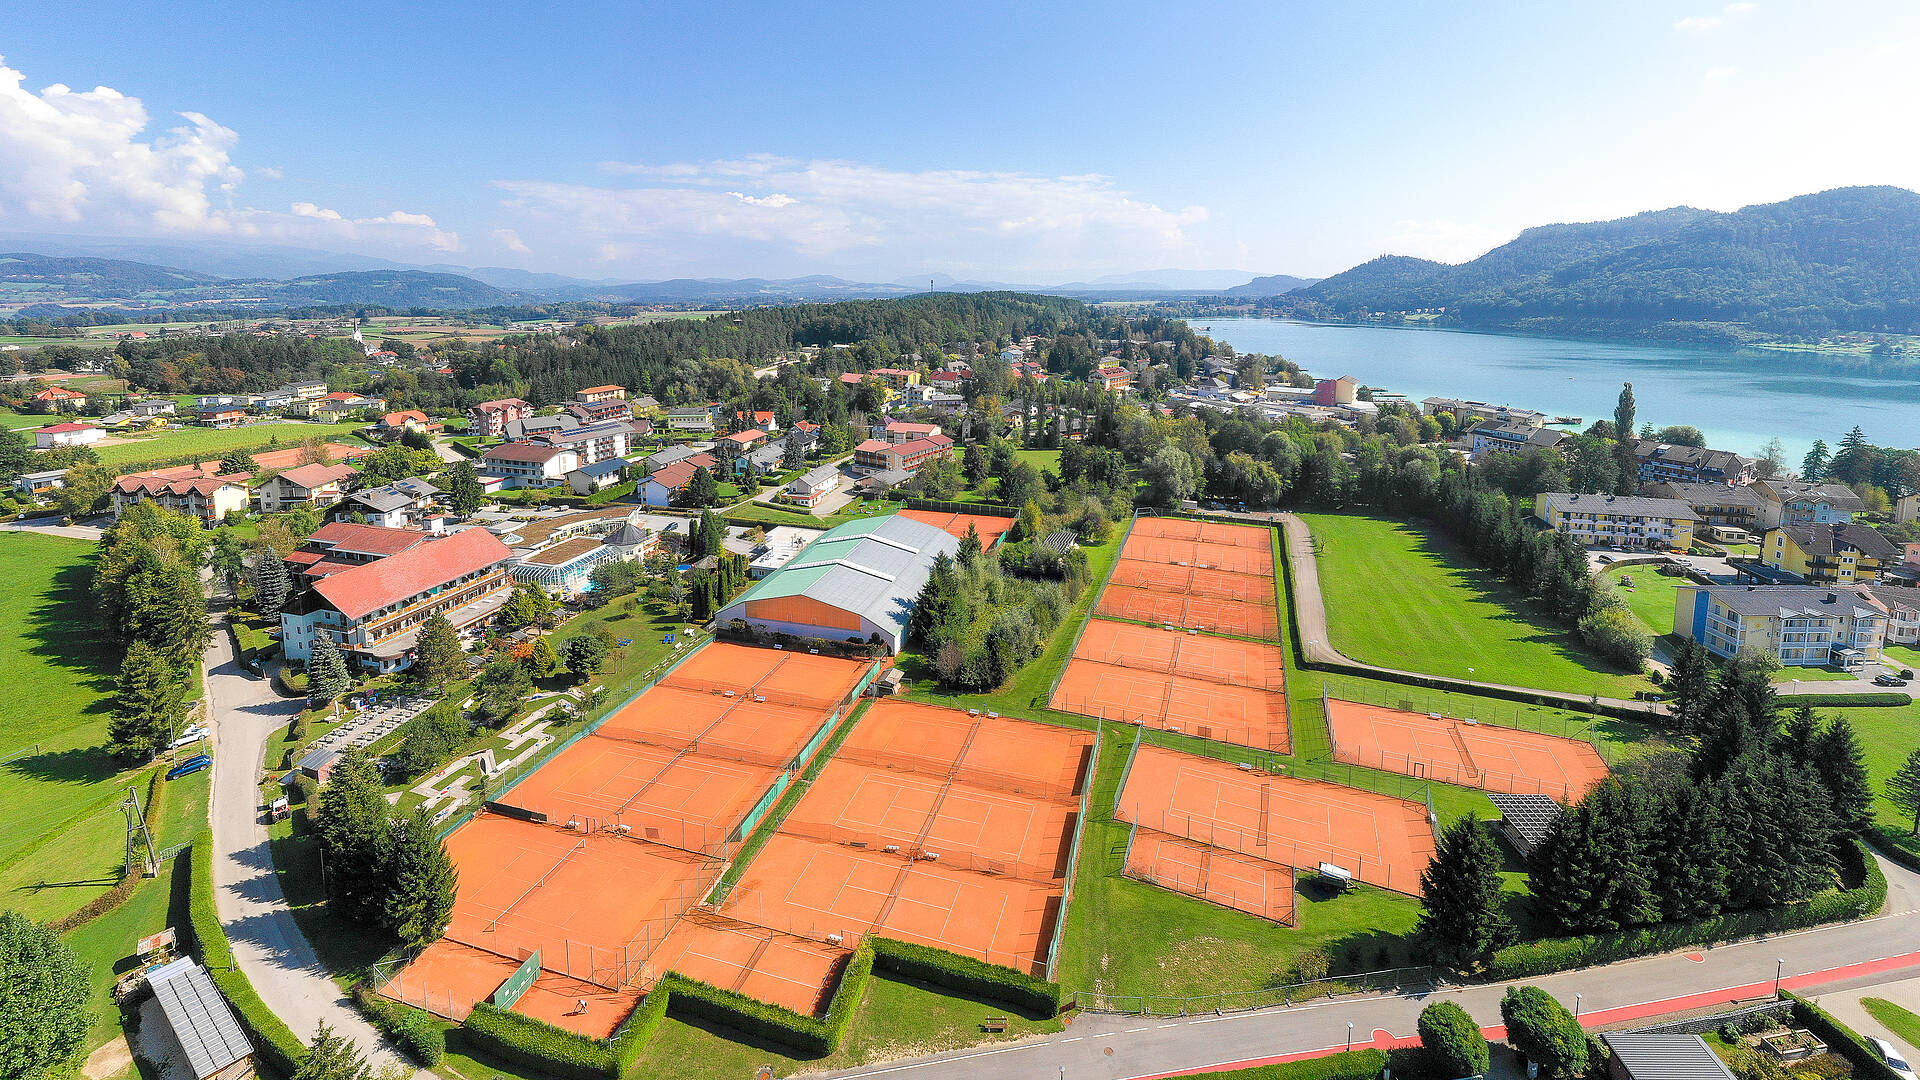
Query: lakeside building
point(1625, 521)
point(1661, 463)
point(1797, 502)
point(1833, 554)
point(1798, 625)
point(1732, 506)
point(1466, 411)
point(1511, 438)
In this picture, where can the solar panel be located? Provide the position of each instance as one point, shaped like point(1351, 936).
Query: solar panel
point(1528, 819)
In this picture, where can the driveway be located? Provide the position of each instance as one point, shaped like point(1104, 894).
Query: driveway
point(1845, 1006)
point(267, 943)
point(50, 526)
point(1872, 951)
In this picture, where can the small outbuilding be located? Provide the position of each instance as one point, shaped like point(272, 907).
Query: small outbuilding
point(202, 1023)
point(1647, 1056)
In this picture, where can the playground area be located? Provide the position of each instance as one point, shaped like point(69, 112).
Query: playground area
point(579, 877)
point(1462, 751)
point(1378, 839)
point(936, 826)
point(1215, 688)
point(987, 526)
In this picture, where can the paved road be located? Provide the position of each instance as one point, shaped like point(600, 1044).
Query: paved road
point(267, 943)
point(52, 527)
point(1130, 1047)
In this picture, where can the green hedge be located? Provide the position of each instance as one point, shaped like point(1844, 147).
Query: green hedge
point(1840, 1039)
point(1845, 701)
point(276, 1043)
point(1562, 954)
point(810, 1035)
point(637, 1034)
point(1351, 1065)
point(522, 1040)
point(975, 978)
point(415, 1032)
point(1893, 843)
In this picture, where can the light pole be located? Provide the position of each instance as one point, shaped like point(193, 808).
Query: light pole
point(1349, 1035)
point(1576, 1006)
point(1777, 967)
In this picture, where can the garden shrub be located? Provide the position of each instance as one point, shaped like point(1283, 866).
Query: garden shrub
point(416, 1033)
point(1453, 1041)
point(1840, 1039)
point(1542, 1029)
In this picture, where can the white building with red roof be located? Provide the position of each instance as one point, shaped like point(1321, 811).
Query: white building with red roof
point(901, 431)
point(58, 399)
point(68, 434)
point(208, 498)
point(879, 455)
point(369, 589)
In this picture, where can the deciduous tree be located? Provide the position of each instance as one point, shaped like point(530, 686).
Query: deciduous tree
point(45, 999)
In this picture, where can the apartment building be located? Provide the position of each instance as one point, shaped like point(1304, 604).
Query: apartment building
point(306, 485)
point(1902, 605)
point(1798, 625)
point(1797, 502)
point(208, 498)
point(598, 410)
point(692, 418)
point(1833, 554)
point(591, 442)
point(1663, 463)
point(1731, 506)
point(489, 419)
point(528, 465)
point(877, 455)
point(372, 604)
point(1511, 438)
point(1466, 411)
point(608, 392)
point(1623, 521)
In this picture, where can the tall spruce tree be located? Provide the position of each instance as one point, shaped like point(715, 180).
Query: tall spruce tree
point(327, 676)
point(463, 488)
point(332, 1057)
point(1688, 852)
point(1462, 923)
point(147, 707)
point(422, 882)
point(1842, 764)
point(1903, 789)
point(1740, 718)
point(438, 658)
point(354, 825)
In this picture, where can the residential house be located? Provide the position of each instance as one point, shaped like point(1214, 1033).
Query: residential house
point(395, 424)
point(527, 427)
point(306, 485)
point(644, 405)
point(809, 489)
point(1902, 605)
point(731, 446)
point(1511, 438)
point(392, 506)
point(489, 419)
point(36, 484)
point(373, 609)
point(900, 431)
point(153, 407)
point(528, 465)
point(660, 459)
point(223, 417)
point(1736, 507)
point(660, 488)
point(306, 390)
point(689, 418)
point(1625, 521)
point(764, 419)
point(217, 401)
point(341, 405)
point(946, 380)
point(1798, 502)
point(608, 392)
point(897, 379)
point(598, 411)
point(597, 476)
point(67, 434)
point(1836, 554)
point(770, 458)
point(208, 498)
point(592, 442)
point(1113, 377)
point(56, 399)
point(876, 455)
point(1798, 625)
point(1661, 463)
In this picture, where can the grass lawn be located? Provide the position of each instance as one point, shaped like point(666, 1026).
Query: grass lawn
point(1904, 1025)
point(209, 443)
point(1399, 595)
point(1887, 735)
point(1652, 596)
point(1044, 460)
point(1905, 656)
point(60, 667)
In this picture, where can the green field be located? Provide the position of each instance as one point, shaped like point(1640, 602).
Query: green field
point(208, 443)
point(1400, 596)
point(1651, 596)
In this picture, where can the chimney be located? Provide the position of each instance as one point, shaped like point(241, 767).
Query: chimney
point(1832, 598)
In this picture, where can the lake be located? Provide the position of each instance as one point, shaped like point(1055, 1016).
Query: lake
point(1739, 398)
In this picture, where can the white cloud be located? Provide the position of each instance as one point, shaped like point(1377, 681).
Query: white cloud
point(90, 164)
point(1446, 241)
point(856, 218)
point(511, 241)
point(1720, 74)
point(269, 172)
point(1700, 24)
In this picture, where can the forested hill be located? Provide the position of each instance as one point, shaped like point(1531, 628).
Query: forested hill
point(1847, 259)
point(29, 279)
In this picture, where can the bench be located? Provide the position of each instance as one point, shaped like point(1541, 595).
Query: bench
point(994, 1025)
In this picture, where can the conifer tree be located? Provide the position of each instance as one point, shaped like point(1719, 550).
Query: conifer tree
point(438, 658)
point(1842, 764)
point(1688, 853)
point(332, 1057)
point(422, 882)
point(327, 676)
point(1691, 684)
point(1462, 923)
point(147, 705)
point(355, 829)
point(1903, 789)
point(463, 489)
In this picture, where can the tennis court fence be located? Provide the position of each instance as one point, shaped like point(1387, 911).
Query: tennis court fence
point(1261, 844)
point(1469, 775)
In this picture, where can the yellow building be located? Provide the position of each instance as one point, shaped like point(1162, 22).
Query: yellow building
point(1827, 554)
point(1619, 521)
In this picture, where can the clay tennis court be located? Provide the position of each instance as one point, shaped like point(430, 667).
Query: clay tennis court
point(1193, 580)
point(1241, 715)
point(1213, 532)
point(1201, 656)
point(735, 728)
point(781, 676)
point(997, 752)
point(1254, 561)
point(785, 970)
point(684, 800)
point(448, 977)
point(1228, 878)
point(822, 890)
point(989, 527)
point(1301, 823)
point(1453, 751)
point(1206, 613)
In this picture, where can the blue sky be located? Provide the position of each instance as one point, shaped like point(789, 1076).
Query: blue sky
point(1019, 142)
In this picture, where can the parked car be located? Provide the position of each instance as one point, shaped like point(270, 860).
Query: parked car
point(1889, 680)
point(1888, 1054)
point(191, 734)
point(189, 766)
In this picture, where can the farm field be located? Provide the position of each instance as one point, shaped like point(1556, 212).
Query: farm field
point(1401, 596)
point(210, 443)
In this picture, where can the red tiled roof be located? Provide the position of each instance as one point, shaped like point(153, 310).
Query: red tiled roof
point(55, 393)
point(149, 484)
point(498, 404)
point(852, 378)
point(805, 425)
point(922, 429)
point(316, 475)
point(704, 461)
point(872, 446)
point(522, 452)
point(601, 389)
point(675, 476)
point(365, 539)
point(54, 429)
point(395, 419)
point(341, 395)
point(745, 437)
point(371, 586)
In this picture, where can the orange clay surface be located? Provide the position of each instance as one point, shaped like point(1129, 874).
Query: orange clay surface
point(989, 527)
point(991, 752)
point(1213, 532)
point(1201, 656)
point(1252, 561)
point(735, 728)
point(792, 972)
point(1208, 613)
point(1193, 581)
point(1241, 715)
point(687, 801)
point(1241, 882)
point(784, 677)
point(1301, 823)
point(1471, 755)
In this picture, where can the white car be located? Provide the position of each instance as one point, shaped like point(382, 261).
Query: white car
point(192, 734)
point(1892, 1057)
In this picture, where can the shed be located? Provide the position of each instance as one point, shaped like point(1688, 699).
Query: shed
point(202, 1023)
point(1645, 1056)
point(1526, 820)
